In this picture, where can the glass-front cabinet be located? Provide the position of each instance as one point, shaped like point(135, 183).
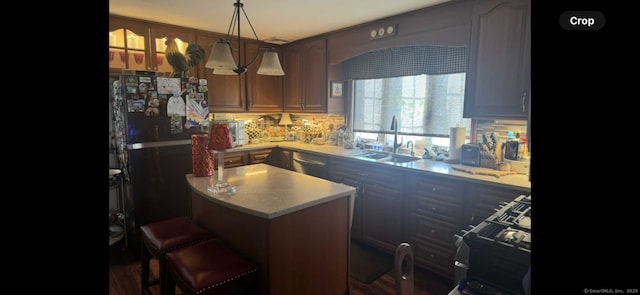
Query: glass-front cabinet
point(139, 45)
point(128, 47)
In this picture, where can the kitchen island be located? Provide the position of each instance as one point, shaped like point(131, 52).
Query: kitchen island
point(295, 227)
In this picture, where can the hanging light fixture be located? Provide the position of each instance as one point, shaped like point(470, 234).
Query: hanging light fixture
point(221, 58)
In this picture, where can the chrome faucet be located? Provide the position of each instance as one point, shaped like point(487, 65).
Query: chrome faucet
point(411, 143)
point(394, 127)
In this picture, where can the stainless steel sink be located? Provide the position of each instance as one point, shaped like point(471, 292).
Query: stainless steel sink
point(398, 158)
point(387, 157)
point(373, 155)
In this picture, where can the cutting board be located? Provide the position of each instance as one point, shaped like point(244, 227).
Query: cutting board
point(481, 170)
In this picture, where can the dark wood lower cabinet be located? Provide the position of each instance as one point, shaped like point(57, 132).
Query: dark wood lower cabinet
point(302, 252)
point(235, 159)
point(257, 157)
point(433, 215)
point(377, 216)
point(382, 216)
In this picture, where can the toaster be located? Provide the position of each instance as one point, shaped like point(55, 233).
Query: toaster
point(470, 154)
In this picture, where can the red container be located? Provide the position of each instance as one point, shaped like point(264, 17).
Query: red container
point(201, 156)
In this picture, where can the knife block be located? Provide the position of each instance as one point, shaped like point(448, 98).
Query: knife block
point(492, 160)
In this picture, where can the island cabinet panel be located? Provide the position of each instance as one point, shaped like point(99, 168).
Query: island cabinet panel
point(294, 227)
point(434, 214)
point(305, 250)
point(297, 253)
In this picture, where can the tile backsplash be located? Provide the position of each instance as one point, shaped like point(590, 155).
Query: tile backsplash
point(501, 128)
point(324, 122)
point(263, 122)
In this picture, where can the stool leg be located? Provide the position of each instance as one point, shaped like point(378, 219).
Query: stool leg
point(146, 260)
point(163, 276)
point(170, 285)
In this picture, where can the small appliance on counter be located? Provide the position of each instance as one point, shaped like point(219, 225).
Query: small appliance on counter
point(237, 131)
point(470, 154)
point(511, 150)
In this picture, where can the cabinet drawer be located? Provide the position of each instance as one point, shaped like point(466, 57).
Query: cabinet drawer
point(433, 257)
point(435, 208)
point(430, 229)
point(233, 160)
point(367, 173)
point(436, 188)
point(258, 156)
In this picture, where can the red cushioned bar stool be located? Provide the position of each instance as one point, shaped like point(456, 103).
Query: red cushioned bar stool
point(210, 268)
point(162, 237)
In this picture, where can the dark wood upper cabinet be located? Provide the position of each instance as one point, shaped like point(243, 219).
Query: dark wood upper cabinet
point(225, 91)
point(292, 66)
point(139, 45)
point(499, 72)
point(248, 92)
point(305, 82)
point(264, 93)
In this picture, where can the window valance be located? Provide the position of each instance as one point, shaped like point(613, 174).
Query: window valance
point(406, 61)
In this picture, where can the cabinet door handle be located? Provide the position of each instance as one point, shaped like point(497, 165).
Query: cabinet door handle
point(524, 97)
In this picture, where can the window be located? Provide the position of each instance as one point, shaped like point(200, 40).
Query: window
point(422, 85)
point(425, 105)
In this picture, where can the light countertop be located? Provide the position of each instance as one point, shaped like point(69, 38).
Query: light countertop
point(515, 181)
point(269, 192)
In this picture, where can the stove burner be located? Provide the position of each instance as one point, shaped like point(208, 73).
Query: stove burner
point(524, 222)
point(514, 214)
point(513, 236)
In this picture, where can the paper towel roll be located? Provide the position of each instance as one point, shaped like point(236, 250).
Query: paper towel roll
point(457, 137)
point(201, 157)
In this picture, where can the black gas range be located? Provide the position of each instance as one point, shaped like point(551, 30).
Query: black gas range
point(499, 250)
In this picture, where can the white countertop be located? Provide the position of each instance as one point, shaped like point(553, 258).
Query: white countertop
point(515, 181)
point(268, 192)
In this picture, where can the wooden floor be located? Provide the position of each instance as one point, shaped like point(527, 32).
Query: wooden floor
point(124, 278)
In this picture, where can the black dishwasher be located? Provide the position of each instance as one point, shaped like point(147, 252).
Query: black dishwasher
point(309, 164)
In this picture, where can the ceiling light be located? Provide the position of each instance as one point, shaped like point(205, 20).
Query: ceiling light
point(221, 58)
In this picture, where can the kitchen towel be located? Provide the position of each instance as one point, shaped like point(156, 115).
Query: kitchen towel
point(457, 137)
point(201, 157)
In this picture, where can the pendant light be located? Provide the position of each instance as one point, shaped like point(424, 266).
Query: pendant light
point(221, 59)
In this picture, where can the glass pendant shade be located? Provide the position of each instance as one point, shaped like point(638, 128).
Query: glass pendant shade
point(221, 57)
point(270, 65)
point(227, 72)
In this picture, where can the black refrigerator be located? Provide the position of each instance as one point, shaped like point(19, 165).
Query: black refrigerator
point(154, 117)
